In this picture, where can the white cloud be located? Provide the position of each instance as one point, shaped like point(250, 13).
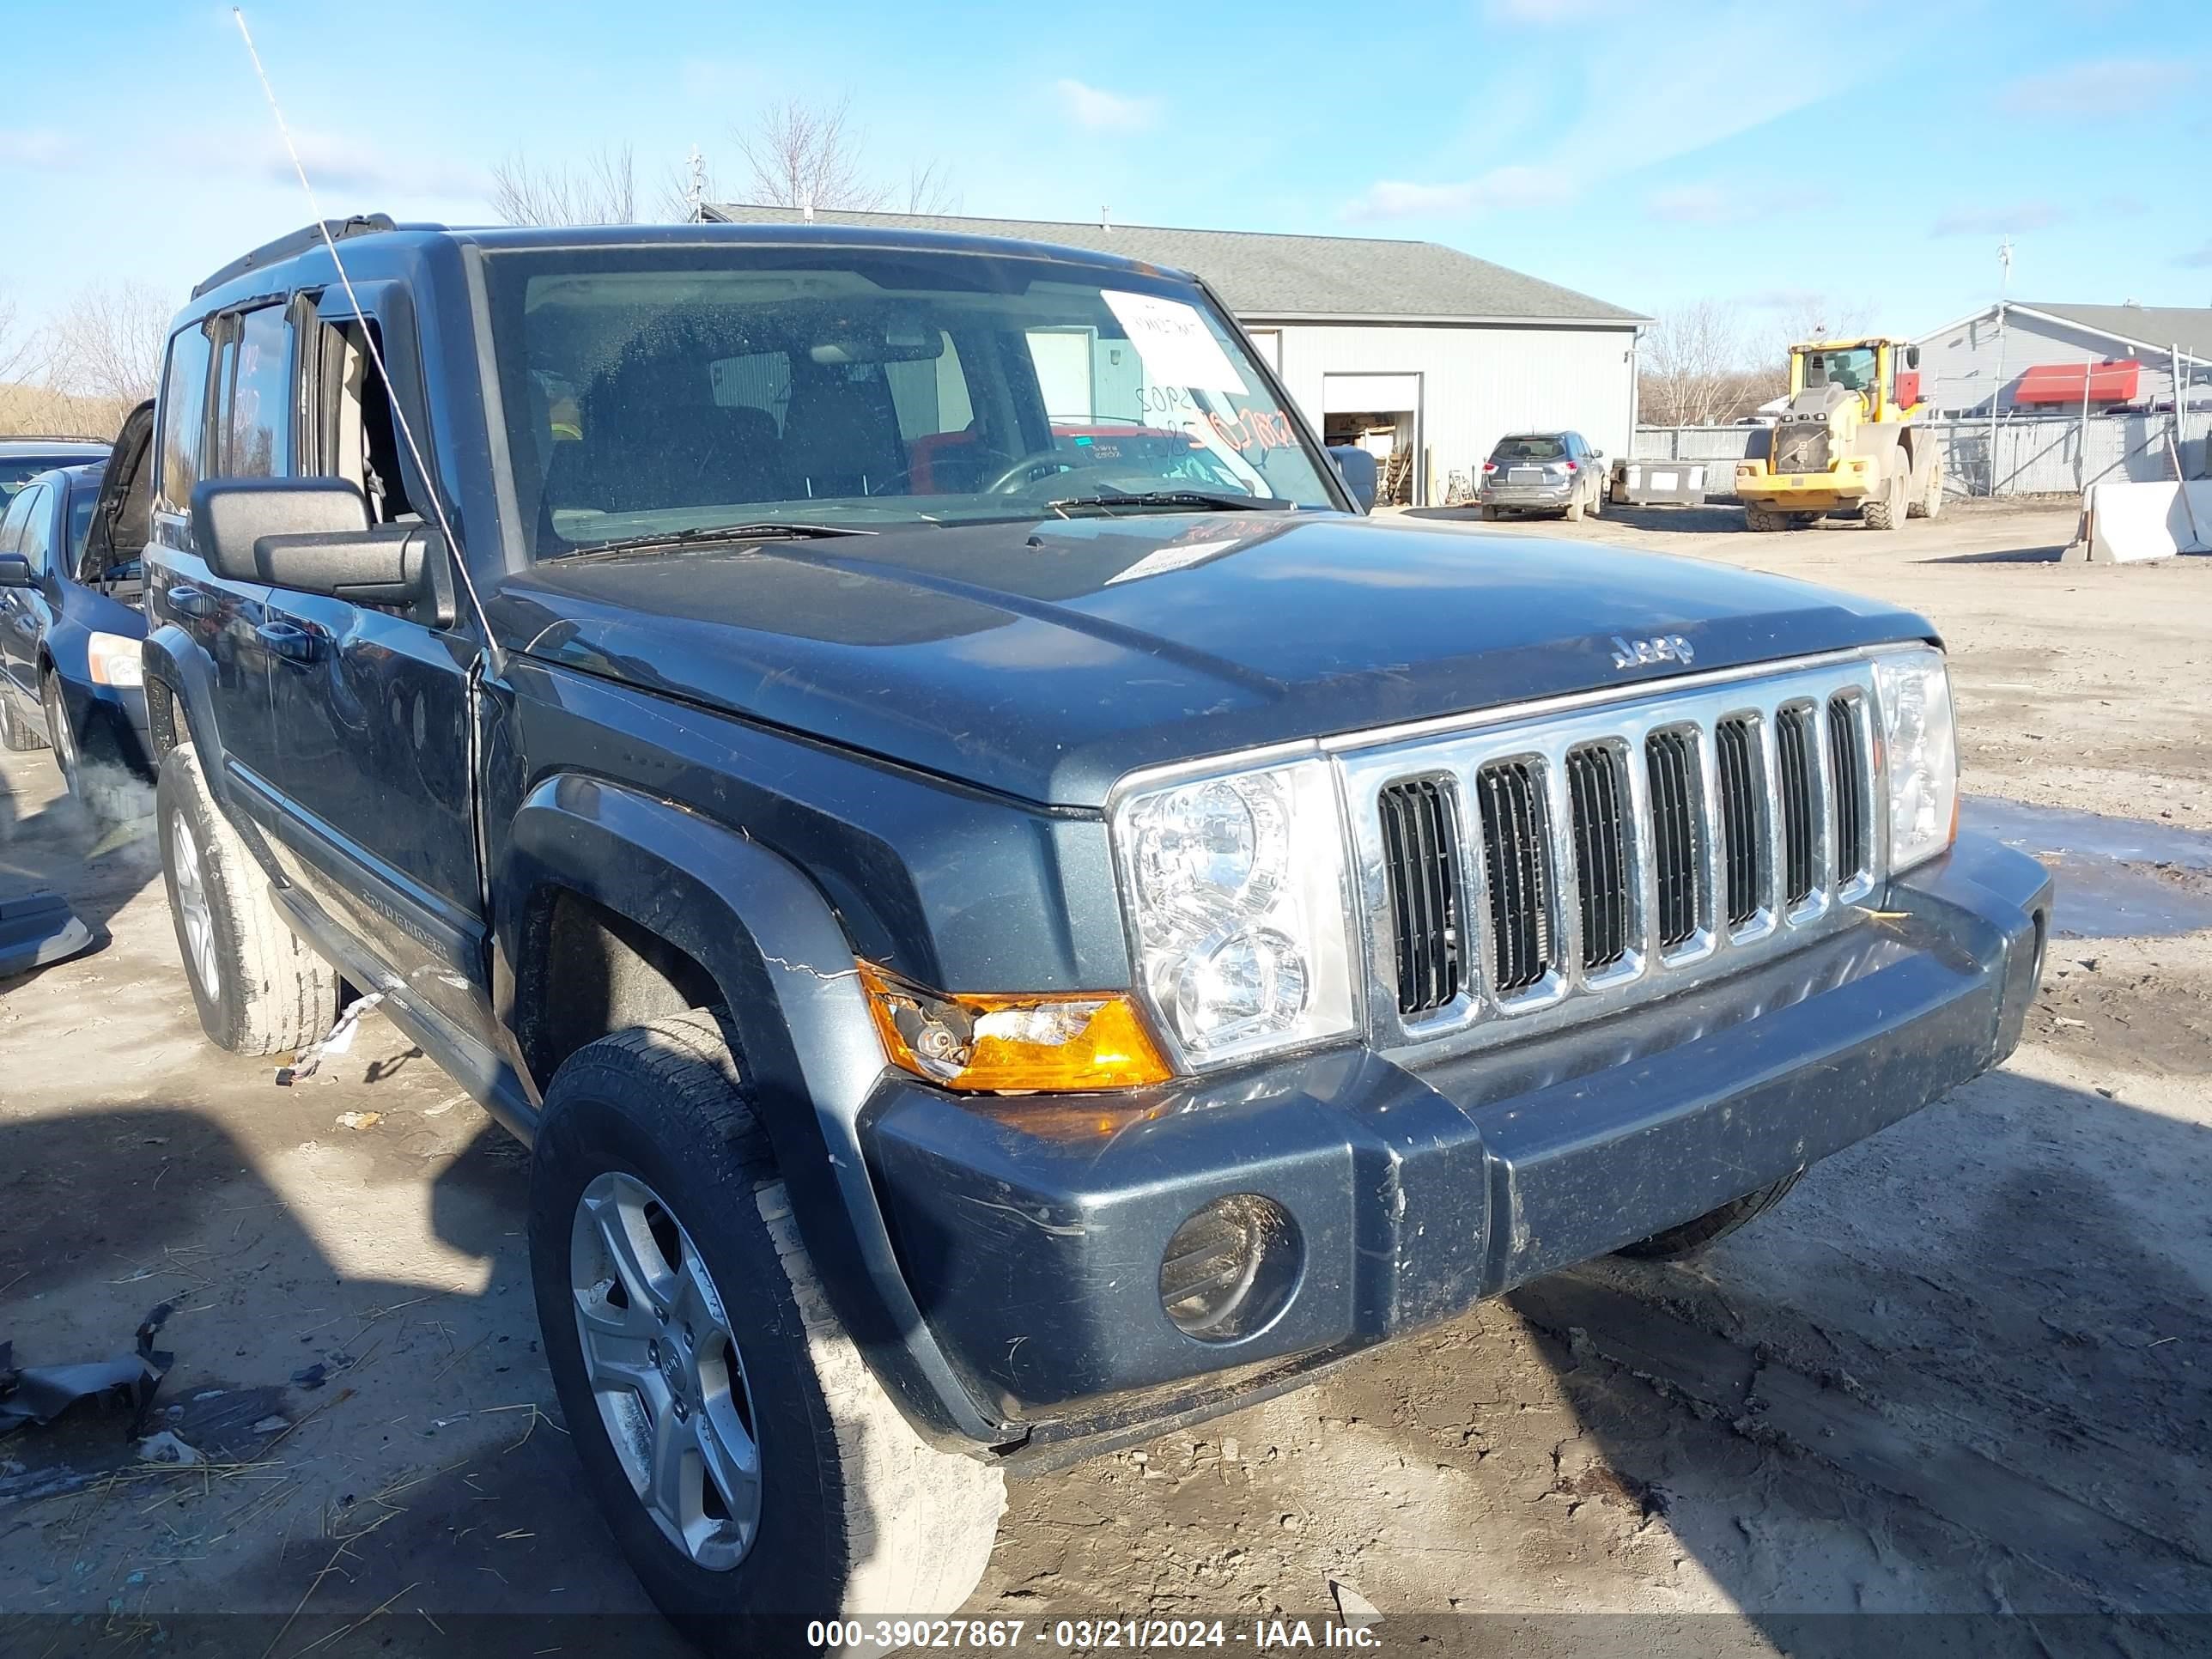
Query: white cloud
point(1501, 187)
point(36, 146)
point(1695, 204)
point(1100, 111)
point(2101, 90)
point(2005, 220)
point(1647, 96)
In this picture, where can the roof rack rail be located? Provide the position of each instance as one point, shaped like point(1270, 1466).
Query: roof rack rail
point(284, 247)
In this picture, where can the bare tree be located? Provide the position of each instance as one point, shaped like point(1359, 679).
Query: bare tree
point(802, 156)
point(106, 344)
point(601, 191)
point(1691, 371)
point(929, 191)
point(22, 351)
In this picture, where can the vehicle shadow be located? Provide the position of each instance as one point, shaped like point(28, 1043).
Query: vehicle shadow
point(2049, 555)
point(58, 846)
point(380, 1448)
point(1706, 519)
point(1956, 1373)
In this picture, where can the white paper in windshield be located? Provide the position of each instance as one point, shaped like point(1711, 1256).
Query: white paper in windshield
point(1176, 346)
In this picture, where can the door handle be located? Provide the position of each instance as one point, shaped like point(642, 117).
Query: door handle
point(190, 601)
point(293, 643)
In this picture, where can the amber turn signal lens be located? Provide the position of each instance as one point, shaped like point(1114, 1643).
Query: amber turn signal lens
point(1031, 1044)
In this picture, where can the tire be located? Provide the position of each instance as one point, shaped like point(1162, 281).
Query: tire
point(853, 1514)
point(1763, 519)
point(99, 787)
point(1887, 510)
point(1573, 514)
point(1714, 1224)
point(16, 732)
point(1597, 502)
point(1489, 514)
point(1931, 504)
point(258, 990)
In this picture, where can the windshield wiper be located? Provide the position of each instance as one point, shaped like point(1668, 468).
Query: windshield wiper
point(764, 530)
point(1173, 498)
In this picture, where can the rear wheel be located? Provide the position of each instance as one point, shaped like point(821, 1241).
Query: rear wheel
point(1931, 504)
point(1714, 1224)
point(258, 990)
point(754, 1472)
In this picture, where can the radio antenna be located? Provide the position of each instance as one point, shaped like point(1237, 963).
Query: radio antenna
point(453, 554)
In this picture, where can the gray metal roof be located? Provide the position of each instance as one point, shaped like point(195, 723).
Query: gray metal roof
point(1264, 276)
point(2158, 327)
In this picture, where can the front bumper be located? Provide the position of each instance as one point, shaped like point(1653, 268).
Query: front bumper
point(1848, 484)
point(1032, 1238)
point(111, 724)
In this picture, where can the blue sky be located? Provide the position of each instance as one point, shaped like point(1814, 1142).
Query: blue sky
point(1651, 155)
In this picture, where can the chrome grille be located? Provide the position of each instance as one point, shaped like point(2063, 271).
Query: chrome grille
point(1513, 843)
point(1541, 868)
point(1677, 853)
point(1420, 837)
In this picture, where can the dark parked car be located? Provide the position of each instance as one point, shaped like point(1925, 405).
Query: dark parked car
point(22, 459)
point(71, 628)
point(1555, 473)
point(992, 968)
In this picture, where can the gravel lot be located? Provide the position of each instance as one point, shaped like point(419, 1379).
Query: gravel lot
point(1964, 1369)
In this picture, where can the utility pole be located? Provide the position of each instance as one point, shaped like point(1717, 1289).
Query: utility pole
point(1997, 391)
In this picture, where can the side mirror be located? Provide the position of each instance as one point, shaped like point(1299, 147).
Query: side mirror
point(1597, 455)
point(390, 565)
point(15, 571)
point(1357, 468)
point(229, 516)
point(1913, 357)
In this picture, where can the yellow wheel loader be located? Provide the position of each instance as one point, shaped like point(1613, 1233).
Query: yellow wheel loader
point(1852, 436)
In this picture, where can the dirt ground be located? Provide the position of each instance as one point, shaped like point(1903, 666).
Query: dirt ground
point(1965, 1369)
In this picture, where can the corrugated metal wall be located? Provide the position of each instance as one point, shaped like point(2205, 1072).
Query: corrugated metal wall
point(1959, 366)
point(2034, 456)
point(1478, 382)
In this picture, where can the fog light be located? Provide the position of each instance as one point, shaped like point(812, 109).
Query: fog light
point(1231, 1268)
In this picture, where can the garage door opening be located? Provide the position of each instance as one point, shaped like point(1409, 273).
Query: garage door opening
point(1381, 414)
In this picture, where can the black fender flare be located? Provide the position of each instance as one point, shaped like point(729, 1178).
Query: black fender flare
point(170, 657)
point(810, 1055)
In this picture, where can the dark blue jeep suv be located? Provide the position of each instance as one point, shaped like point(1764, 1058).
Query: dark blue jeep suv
point(998, 944)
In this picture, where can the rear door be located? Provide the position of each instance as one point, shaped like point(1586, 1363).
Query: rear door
point(371, 760)
point(25, 612)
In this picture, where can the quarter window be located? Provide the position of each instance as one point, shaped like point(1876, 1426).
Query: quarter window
point(183, 418)
point(253, 418)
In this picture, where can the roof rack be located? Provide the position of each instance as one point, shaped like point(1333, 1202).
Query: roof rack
point(284, 247)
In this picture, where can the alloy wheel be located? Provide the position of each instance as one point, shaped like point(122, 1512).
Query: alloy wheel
point(665, 1370)
point(193, 909)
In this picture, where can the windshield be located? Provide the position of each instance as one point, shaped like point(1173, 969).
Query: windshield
point(79, 526)
point(1850, 367)
point(650, 391)
point(15, 474)
point(1528, 449)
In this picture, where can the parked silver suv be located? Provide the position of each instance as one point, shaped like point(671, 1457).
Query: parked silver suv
point(1551, 472)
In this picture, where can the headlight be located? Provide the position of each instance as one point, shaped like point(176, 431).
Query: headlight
point(1921, 741)
point(114, 661)
point(1234, 891)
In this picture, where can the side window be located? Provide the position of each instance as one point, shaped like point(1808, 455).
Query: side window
point(759, 380)
point(253, 418)
point(11, 524)
point(930, 394)
point(37, 536)
point(184, 419)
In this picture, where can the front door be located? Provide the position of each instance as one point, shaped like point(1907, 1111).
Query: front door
point(23, 611)
point(370, 713)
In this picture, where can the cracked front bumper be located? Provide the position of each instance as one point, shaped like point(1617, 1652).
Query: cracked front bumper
point(1032, 1233)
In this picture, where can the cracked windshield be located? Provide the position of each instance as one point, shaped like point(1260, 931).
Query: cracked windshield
point(671, 394)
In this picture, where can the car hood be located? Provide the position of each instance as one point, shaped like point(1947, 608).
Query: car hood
point(1046, 659)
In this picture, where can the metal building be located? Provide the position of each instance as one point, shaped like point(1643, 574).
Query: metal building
point(2032, 358)
point(1401, 344)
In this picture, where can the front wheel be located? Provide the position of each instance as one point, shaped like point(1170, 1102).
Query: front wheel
point(754, 1472)
point(1887, 511)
